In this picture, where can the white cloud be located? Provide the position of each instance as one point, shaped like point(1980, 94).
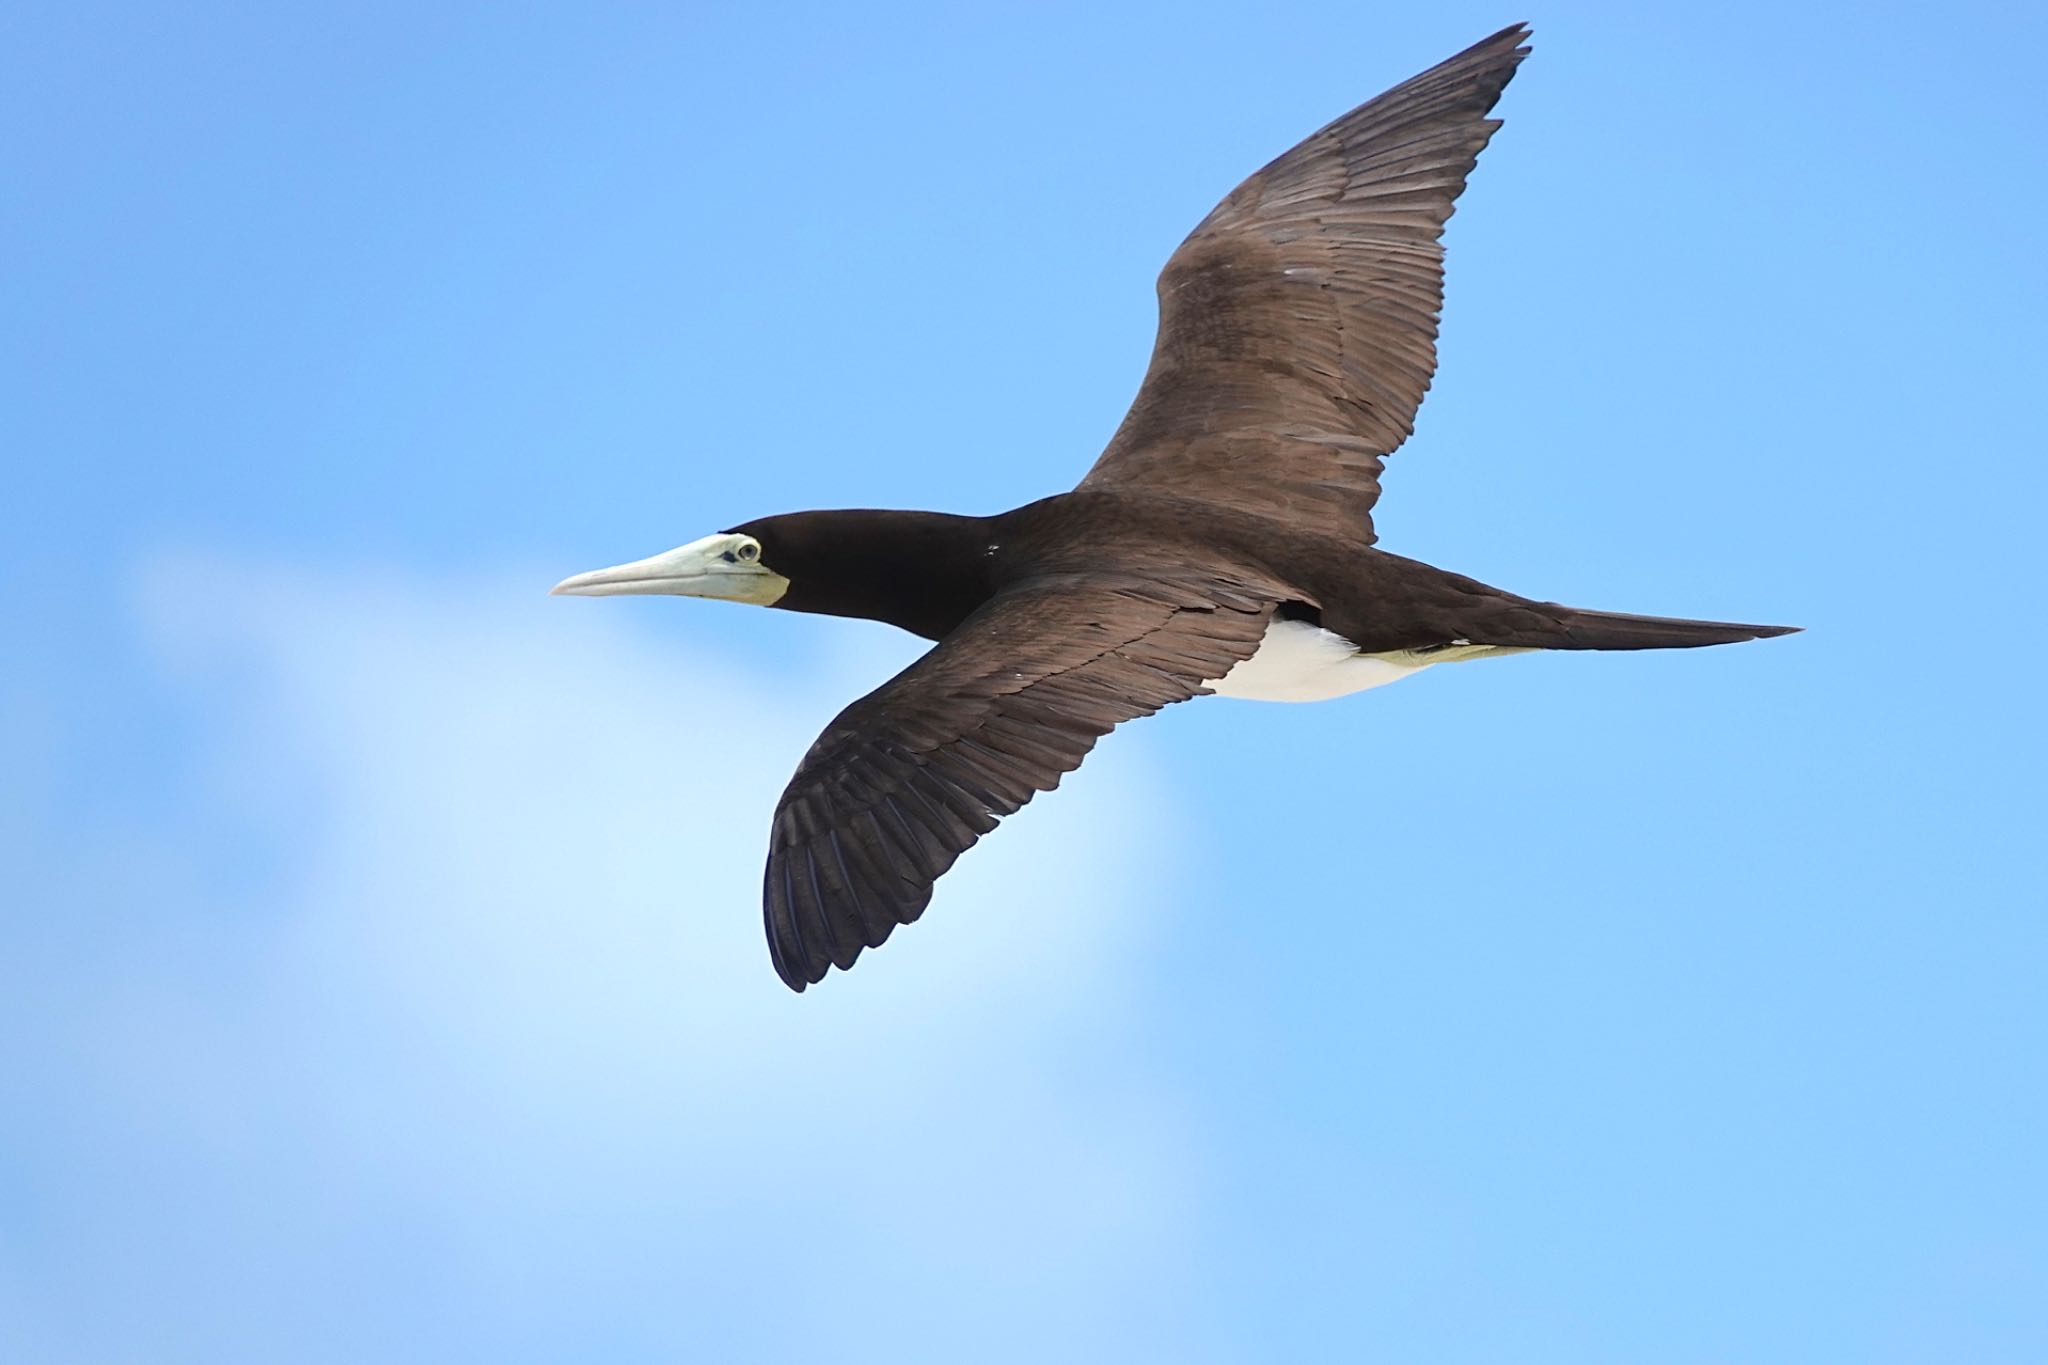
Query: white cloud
point(494, 1040)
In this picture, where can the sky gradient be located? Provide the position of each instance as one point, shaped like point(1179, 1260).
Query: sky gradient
point(380, 963)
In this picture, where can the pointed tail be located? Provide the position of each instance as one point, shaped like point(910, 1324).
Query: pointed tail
point(1617, 630)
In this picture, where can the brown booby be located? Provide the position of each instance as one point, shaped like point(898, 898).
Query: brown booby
point(1222, 544)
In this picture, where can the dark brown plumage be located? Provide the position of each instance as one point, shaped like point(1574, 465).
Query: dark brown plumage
point(1229, 517)
point(1297, 323)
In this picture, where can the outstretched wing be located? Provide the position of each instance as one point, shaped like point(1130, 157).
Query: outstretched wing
point(906, 778)
point(1298, 322)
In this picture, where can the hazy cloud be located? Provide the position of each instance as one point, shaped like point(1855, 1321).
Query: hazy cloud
point(471, 967)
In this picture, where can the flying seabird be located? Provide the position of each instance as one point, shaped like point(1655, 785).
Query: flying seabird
point(1222, 543)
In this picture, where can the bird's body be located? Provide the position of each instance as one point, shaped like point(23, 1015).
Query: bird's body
point(1222, 544)
point(927, 572)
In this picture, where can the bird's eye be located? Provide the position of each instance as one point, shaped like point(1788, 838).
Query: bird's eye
point(747, 553)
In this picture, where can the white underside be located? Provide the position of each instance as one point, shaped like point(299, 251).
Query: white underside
point(1298, 661)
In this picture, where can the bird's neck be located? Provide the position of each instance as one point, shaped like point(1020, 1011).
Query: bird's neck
point(921, 571)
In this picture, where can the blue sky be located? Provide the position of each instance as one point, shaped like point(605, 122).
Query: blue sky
point(380, 974)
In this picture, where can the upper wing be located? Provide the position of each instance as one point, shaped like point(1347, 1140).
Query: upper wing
point(910, 775)
point(1298, 322)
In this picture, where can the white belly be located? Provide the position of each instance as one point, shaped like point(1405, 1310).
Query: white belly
point(1302, 662)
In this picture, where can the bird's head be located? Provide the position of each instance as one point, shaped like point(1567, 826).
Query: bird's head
point(922, 571)
point(731, 566)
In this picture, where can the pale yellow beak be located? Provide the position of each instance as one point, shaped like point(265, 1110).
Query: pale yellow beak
point(727, 567)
